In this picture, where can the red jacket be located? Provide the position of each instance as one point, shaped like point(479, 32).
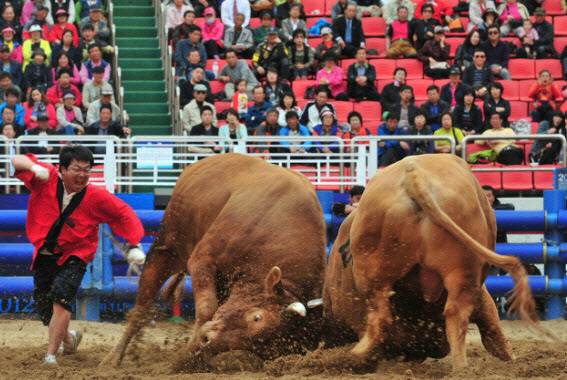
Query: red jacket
point(57, 33)
point(54, 94)
point(98, 206)
point(32, 124)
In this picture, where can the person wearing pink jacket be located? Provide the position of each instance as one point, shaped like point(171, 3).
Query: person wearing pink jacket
point(212, 31)
point(331, 76)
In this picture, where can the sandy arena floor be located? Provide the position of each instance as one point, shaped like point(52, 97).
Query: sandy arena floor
point(23, 345)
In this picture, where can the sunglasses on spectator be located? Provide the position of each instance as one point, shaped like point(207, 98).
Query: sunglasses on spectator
point(479, 56)
point(493, 32)
point(200, 92)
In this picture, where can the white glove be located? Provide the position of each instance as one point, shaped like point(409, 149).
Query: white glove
point(136, 257)
point(40, 172)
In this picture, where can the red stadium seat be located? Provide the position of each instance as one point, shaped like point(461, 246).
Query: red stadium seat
point(553, 8)
point(345, 63)
point(384, 68)
point(522, 68)
point(329, 6)
point(314, 41)
point(511, 89)
point(553, 65)
point(560, 25)
point(413, 67)
point(420, 87)
point(331, 175)
point(380, 83)
point(221, 106)
point(310, 6)
point(523, 88)
point(517, 180)
point(559, 43)
point(519, 110)
point(342, 109)
point(455, 42)
point(371, 112)
point(493, 179)
point(311, 21)
point(256, 22)
point(544, 180)
point(376, 43)
point(302, 102)
point(216, 86)
point(441, 82)
point(299, 87)
point(374, 26)
point(535, 127)
point(209, 65)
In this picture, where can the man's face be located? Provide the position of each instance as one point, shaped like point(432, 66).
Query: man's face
point(198, 74)
point(238, 21)
point(11, 99)
point(194, 57)
point(272, 118)
point(539, 19)
point(95, 53)
point(479, 58)
point(88, 34)
point(350, 11)
point(493, 34)
point(189, 18)
point(98, 77)
point(5, 83)
point(406, 95)
point(8, 115)
point(64, 80)
point(361, 55)
point(195, 36)
point(41, 15)
point(454, 78)
point(400, 76)
point(207, 117)
point(38, 58)
point(43, 124)
point(355, 198)
point(105, 99)
point(392, 124)
point(76, 175)
point(293, 123)
point(439, 36)
point(419, 121)
point(8, 131)
point(272, 37)
point(105, 115)
point(321, 98)
point(231, 59)
point(433, 96)
point(5, 56)
point(266, 21)
point(403, 15)
point(200, 95)
point(95, 16)
point(495, 121)
point(259, 95)
point(490, 196)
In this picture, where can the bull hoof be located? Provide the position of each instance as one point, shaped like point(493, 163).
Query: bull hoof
point(362, 349)
point(111, 360)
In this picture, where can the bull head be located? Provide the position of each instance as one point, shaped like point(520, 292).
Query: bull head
point(274, 288)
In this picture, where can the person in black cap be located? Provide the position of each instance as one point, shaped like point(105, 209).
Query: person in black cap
point(454, 91)
point(12, 67)
point(489, 17)
point(42, 129)
point(95, 19)
point(42, 18)
point(273, 53)
point(434, 55)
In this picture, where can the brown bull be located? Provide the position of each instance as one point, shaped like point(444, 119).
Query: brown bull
point(407, 272)
point(252, 236)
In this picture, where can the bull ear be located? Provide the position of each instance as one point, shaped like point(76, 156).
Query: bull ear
point(273, 283)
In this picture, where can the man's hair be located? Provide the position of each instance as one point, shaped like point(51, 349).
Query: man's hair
point(400, 69)
point(105, 107)
point(199, 66)
point(75, 152)
point(425, 6)
point(497, 113)
point(206, 108)
point(356, 190)
point(231, 50)
point(291, 115)
point(188, 11)
point(355, 114)
point(404, 87)
point(195, 50)
point(12, 91)
point(360, 48)
point(272, 110)
point(8, 107)
point(469, 91)
point(488, 187)
point(499, 86)
point(240, 14)
point(88, 27)
point(419, 112)
point(393, 116)
point(95, 45)
point(433, 87)
point(5, 74)
point(493, 26)
point(64, 70)
point(194, 28)
point(257, 87)
point(297, 32)
point(402, 7)
point(323, 89)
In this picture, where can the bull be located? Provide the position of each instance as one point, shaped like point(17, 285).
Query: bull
point(407, 271)
point(252, 237)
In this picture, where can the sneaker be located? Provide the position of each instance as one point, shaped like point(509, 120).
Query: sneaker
point(50, 359)
point(76, 336)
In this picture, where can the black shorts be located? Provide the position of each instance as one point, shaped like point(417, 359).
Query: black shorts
point(56, 283)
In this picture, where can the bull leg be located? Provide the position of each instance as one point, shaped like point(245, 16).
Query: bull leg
point(486, 318)
point(458, 309)
point(156, 272)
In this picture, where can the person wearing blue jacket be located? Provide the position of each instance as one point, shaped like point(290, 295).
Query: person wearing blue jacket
point(257, 113)
point(327, 128)
point(293, 128)
point(391, 151)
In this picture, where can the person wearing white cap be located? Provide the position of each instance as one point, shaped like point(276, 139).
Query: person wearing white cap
point(34, 40)
point(328, 44)
point(70, 117)
point(105, 98)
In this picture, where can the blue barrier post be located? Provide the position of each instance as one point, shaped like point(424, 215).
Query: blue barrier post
point(553, 203)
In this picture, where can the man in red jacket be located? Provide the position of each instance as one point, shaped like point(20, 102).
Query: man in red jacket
point(64, 212)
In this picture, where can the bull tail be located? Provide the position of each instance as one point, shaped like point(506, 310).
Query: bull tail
point(522, 302)
point(174, 291)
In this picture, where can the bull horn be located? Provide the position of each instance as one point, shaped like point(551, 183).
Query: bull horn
point(298, 308)
point(315, 303)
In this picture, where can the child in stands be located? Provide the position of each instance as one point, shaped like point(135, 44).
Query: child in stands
point(530, 33)
point(240, 98)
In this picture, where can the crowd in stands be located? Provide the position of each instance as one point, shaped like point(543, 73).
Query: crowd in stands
point(244, 64)
point(56, 69)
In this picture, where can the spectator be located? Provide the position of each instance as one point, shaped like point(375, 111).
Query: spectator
point(37, 74)
point(105, 98)
point(545, 93)
point(423, 29)
point(293, 23)
point(62, 25)
point(490, 17)
point(205, 128)
point(229, 8)
point(405, 108)
point(66, 46)
point(478, 75)
point(330, 77)
point(420, 128)
point(186, 86)
point(287, 104)
point(391, 92)
point(361, 78)
point(434, 107)
point(442, 10)
point(391, 151)
point(448, 128)
point(83, 9)
point(64, 61)
point(328, 127)
point(91, 90)
point(348, 32)
point(181, 31)
point(453, 91)
point(192, 111)
point(311, 115)
point(468, 116)
point(62, 86)
point(476, 13)
point(271, 53)
point(95, 19)
point(294, 129)
point(465, 51)
point(356, 129)
point(34, 40)
point(106, 126)
point(257, 113)
point(95, 54)
point(11, 67)
point(70, 117)
point(89, 39)
point(269, 127)
point(232, 129)
point(398, 37)
point(327, 45)
point(42, 19)
point(9, 132)
point(301, 55)
point(434, 55)
point(338, 9)
point(194, 60)
point(528, 34)
point(236, 69)
point(186, 45)
point(67, 5)
point(200, 5)
point(240, 98)
point(261, 31)
point(274, 88)
point(239, 39)
point(541, 47)
point(8, 20)
point(42, 145)
point(507, 152)
point(175, 13)
point(12, 99)
point(14, 46)
point(497, 53)
point(511, 16)
point(392, 8)
point(546, 152)
point(32, 9)
point(343, 209)
point(37, 102)
point(8, 114)
point(212, 33)
point(495, 103)
point(6, 83)
point(282, 11)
